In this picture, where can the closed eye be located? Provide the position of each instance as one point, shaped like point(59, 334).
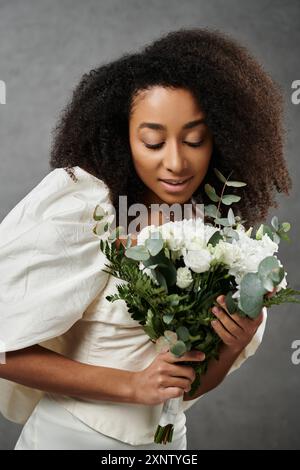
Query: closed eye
point(159, 146)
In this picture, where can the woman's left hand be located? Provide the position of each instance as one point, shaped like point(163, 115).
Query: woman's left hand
point(235, 331)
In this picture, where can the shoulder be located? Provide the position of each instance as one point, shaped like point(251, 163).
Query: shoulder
point(63, 195)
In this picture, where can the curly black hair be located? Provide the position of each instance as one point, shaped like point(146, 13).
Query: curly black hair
point(243, 107)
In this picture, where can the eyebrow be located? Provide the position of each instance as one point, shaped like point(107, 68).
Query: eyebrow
point(156, 126)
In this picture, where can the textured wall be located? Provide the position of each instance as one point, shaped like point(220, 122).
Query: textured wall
point(45, 47)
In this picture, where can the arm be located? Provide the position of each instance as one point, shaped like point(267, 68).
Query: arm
point(40, 368)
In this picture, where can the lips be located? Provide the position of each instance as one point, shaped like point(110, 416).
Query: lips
point(175, 181)
point(175, 186)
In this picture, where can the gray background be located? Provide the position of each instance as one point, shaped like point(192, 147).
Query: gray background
point(45, 47)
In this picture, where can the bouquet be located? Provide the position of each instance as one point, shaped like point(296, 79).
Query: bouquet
point(176, 271)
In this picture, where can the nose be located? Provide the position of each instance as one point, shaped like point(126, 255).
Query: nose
point(173, 160)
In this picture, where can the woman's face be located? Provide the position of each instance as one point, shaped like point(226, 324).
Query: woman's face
point(169, 140)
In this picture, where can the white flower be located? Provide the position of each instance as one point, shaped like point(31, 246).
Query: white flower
point(227, 253)
point(147, 232)
point(184, 278)
point(198, 260)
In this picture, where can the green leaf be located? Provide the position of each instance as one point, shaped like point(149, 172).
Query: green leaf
point(286, 226)
point(161, 280)
point(211, 192)
point(236, 184)
point(137, 253)
point(230, 232)
point(262, 230)
point(211, 211)
point(222, 221)
point(178, 349)
point(229, 199)
point(251, 295)
point(285, 237)
point(183, 333)
point(270, 272)
point(274, 222)
point(219, 175)
point(230, 217)
point(154, 245)
point(149, 327)
point(171, 336)
point(168, 318)
point(231, 304)
point(215, 238)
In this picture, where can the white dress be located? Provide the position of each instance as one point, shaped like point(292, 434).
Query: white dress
point(52, 293)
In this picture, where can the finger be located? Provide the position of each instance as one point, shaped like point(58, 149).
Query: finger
point(227, 322)
point(180, 382)
point(171, 392)
point(225, 336)
point(182, 371)
point(235, 317)
point(189, 356)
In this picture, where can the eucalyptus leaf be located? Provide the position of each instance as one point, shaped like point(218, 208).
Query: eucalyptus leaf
point(251, 295)
point(178, 349)
point(171, 336)
point(229, 199)
point(219, 175)
point(211, 192)
point(230, 232)
point(236, 184)
point(231, 304)
point(269, 272)
point(230, 217)
point(154, 245)
point(222, 221)
point(211, 211)
point(274, 222)
point(183, 333)
point(137, 253)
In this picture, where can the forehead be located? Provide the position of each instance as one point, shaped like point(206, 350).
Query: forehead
point(165, 105)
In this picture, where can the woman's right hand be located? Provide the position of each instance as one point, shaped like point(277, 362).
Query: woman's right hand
point(165, 378)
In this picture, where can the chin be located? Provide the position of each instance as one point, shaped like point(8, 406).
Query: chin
point(173, 199)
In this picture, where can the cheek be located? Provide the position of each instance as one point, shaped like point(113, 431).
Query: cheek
point(201, 162)
point(144, 165)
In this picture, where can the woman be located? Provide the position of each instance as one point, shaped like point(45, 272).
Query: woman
point(79, 371)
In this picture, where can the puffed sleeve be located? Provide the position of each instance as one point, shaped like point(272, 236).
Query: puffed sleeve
point(247, 352)
point(50, 260)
